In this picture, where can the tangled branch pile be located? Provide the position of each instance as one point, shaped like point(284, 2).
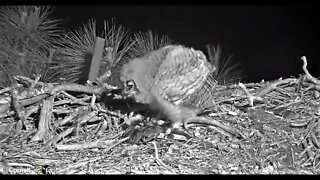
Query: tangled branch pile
point(72, 128)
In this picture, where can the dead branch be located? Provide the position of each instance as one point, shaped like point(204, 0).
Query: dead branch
point(31, 83)
point(159, 160)
point(24, 102)
point(7, 89)
point(45, 117)
point(203, 120)
point(30, 111)
point(274, 85)
point(307, 74)
point(57, 137)
point(26, 136)
point(314, 140)
point(287, 104)
point(106, 111)
point(4, 115)
point(230, 100)
point(93, 101)
point(102, 128)
point(108, 144)
point(80, 101)
point(76, 88)
point(90, 117)
point(35, 82)
point(62, 111)
point(249, 96)
point(16, 105)
point(77, 100)
point(74, 114)
point(223, 132)
point(310, 85)
point(115, 144)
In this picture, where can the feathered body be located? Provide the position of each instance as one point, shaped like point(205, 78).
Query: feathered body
point(174, 80)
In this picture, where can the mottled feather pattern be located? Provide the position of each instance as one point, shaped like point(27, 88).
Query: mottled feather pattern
point(174, 80)
point(182, 72)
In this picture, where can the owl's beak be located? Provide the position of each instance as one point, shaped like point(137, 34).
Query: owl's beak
point(126, 93)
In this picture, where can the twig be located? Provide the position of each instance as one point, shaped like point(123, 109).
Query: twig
point(7, 89)
point(310, 85)
point(115, 144)
point(24, 102)
point(274, 85)
point(92, 103)
point(57, 137)
point(95, 144)
point(223, 132)
point(230, 100)
point(62, 111)
point(74, 99)
point(69, 95)
point(20, 165)
point(249, 96)
point(10, 113)
point(70, 101)
point(102, 128)
point(17, 107)
point(308, 75)
point(79, 110)
point(32, 82)
point(35, 82)
point(76, 88)
point(106, 111)
point(292, 156)
point(30, 111)
point(25, 136)
point(287, 104)
point(157, 157)
point(314, 140)
point(213, 122)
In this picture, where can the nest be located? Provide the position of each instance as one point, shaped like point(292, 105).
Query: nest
point(257, 128)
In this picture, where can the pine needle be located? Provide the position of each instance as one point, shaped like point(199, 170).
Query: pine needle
point(227, 71)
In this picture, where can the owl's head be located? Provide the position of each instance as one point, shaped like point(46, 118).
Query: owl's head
point(134, 77)
point(130, 88)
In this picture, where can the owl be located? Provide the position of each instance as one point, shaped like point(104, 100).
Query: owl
point(175, 81)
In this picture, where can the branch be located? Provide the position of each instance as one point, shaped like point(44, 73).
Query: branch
point(308, 75)
point(274, 85)
point(24, 102)
point(17, 106)
point(76, 88)
point(7, 89)
point(45, 117)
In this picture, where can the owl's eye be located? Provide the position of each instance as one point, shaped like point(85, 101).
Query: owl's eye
point(130, 85)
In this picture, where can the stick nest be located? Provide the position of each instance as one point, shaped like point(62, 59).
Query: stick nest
point(76, 129)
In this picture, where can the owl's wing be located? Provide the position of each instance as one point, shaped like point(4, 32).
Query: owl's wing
point(181, 73)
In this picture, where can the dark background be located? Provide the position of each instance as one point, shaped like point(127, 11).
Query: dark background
point(267, 40)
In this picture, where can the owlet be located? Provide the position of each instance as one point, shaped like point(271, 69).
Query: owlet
point(175, 81)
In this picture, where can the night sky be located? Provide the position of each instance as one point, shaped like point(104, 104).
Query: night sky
point(267, 40)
